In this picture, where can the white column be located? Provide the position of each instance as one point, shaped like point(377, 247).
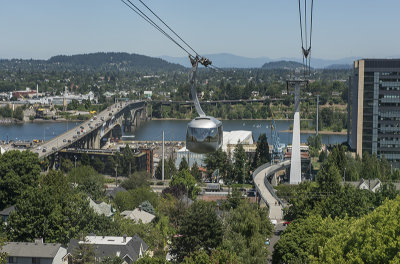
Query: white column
point(295, 165)
point(162, 158)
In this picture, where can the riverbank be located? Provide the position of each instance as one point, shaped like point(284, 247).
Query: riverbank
point(342, 133)
point(7, 121)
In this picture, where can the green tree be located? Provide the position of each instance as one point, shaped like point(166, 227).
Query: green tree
point(18, 171)
point(84, 253)
point(136, 180)
point(246, 229)
point(200, 229)
point(196, 173)
point(147, 207)
point(85, 160)
point(302, 238)
point(98, 165)
point(133, 198)
point(328, 177)
point(54, 211)
point(183, 165)
point(185, 178)
point(240, 166)
point(262, 155)
point(88, 180)
point(3, 255)
point(66, 165)
point(371, 239)
point(127, 160)
point(151, 260)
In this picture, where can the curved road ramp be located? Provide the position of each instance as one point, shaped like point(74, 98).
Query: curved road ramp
point(265, 189)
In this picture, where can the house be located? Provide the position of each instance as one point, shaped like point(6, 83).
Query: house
point(36, 252)
point(362, 184)
point(129, 249)
point(101, 208)
point(372, 185)
point(138, 215)
point(6, 213)
point(112, 192)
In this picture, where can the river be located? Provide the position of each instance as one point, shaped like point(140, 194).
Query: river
point(152, 130)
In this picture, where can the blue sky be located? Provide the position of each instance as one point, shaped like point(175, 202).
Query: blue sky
point(254, 28)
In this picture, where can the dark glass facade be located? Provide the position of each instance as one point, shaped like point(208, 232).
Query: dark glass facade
point(377, 84)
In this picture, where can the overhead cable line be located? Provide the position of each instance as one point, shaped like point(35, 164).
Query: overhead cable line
point(205, 62)
point(169, 27)
point(134, 8)
point(305, 42)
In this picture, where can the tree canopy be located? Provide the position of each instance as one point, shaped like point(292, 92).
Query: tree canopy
point(18, 171)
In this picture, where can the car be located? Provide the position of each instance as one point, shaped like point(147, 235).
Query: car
point(274, 222)
point(64, 140)
point(69, 140)
point(286, 223)
point(54, 148)
point(74, 136)
point(39, 148)
point(267, 242)
point(44, 150)
point(81, 127)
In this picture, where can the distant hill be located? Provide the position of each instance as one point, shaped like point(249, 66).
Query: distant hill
point(339, 67)
point(287, 65)
point(115, 60)
point(226, 60)
point(223, 60)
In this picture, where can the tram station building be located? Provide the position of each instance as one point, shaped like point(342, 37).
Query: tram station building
point(375, 113)
point(230, 140)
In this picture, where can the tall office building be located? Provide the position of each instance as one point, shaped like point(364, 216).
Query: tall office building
point(375, 103)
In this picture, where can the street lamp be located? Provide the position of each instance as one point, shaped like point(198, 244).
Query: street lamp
point(116, 175)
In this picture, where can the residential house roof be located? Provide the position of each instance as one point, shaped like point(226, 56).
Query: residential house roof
point(128, 248)
point(101, 208)
point(7, 211)
point(28, 249)
point(113, 192)
point(138, 215)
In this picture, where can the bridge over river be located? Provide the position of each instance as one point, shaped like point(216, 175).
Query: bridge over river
point(122, 115)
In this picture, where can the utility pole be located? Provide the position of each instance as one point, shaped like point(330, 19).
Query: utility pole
point(116, 175)
point(75, 160)
point(316, 127)
point(162, 173)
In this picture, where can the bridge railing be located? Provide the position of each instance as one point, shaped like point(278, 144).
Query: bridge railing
point(266, 182)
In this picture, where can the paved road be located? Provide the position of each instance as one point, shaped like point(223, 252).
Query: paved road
point(70, 136)
point(274, 239)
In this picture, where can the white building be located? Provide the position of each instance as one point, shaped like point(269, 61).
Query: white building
point(230, 140)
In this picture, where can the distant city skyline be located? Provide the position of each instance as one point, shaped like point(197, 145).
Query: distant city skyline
point(41, 29)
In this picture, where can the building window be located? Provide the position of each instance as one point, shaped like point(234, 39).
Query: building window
point(35, 260)
point(12, 259)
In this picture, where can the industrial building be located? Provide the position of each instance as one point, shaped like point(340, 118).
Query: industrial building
point(375, 103)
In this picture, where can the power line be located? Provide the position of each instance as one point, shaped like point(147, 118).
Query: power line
point(137, 10)
point(169, 27)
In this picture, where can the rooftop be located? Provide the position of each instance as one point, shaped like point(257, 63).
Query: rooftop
point(106, 240)
point(28, 249)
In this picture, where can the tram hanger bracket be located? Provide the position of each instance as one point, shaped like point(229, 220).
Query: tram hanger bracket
point(203, 61)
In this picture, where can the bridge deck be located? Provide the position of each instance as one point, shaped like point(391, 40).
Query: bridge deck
point(71, 136)
point(266, 191)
